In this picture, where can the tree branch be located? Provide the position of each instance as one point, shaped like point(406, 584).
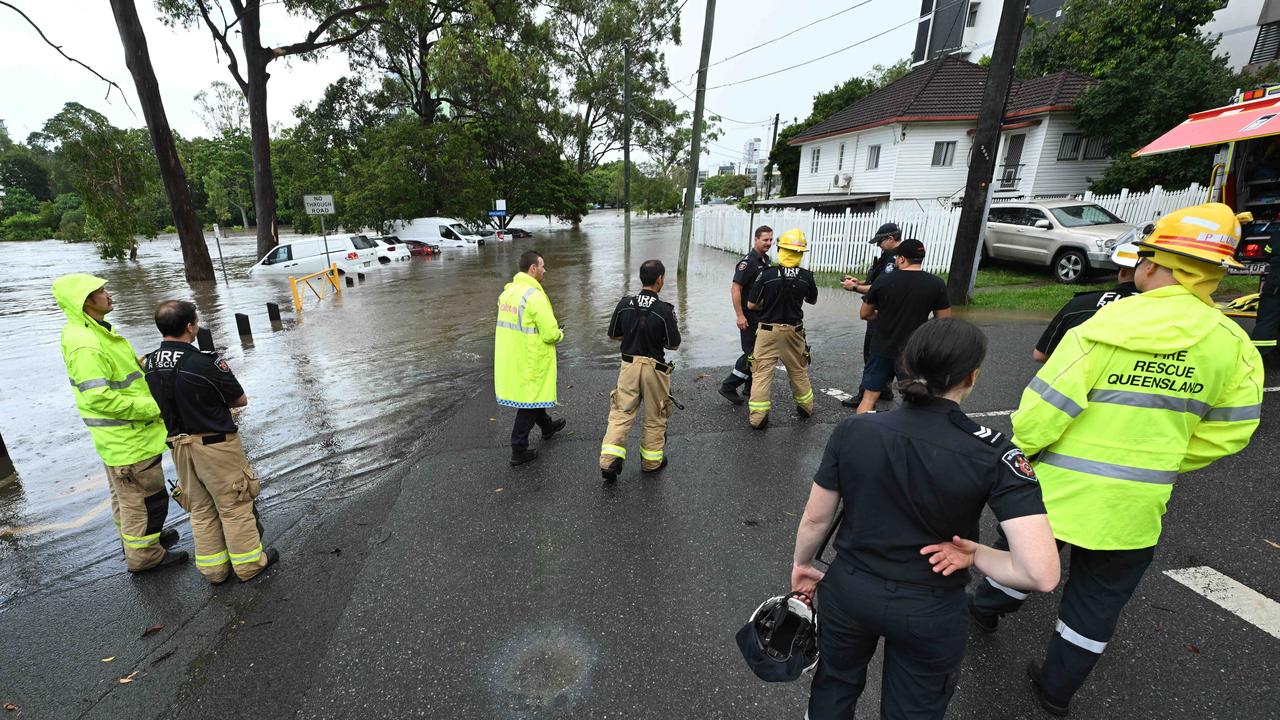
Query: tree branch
point(110, 83)
point(310, 45)
point(232, 64)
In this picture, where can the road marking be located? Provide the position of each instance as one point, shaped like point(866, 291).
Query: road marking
point(1244, 602)
point(836, 393)
point(54, 527)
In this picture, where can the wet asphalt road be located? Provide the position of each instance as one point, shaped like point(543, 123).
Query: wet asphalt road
point(450, 585)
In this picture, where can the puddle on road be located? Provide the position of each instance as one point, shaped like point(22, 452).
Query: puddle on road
point(340, 392)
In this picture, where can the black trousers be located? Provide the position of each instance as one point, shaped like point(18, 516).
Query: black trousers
point(866, 341)
point(741, 373)
point(1099, 584)
point(1267, 326)
point(924, 631)
point(525, 420)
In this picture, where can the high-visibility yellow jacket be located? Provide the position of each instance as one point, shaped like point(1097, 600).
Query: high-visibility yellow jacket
point(111, 394)
point(1151, 386)
point(524, 346)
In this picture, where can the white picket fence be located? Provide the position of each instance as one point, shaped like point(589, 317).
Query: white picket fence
point(838, 241)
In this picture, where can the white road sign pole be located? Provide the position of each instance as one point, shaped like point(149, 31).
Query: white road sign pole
point(320, 205)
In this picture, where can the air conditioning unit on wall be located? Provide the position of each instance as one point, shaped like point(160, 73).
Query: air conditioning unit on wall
point(836, 179)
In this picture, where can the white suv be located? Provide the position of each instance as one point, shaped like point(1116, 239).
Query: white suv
point(355, 253)
point(1070, 236)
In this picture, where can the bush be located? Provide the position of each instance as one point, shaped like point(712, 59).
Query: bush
point(24, 226)
point(71, 229)
point(169, 229)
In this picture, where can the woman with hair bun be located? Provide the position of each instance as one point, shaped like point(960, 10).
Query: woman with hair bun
point(913, 483)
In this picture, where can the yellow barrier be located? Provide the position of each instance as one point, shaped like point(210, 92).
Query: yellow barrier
point(330, 274)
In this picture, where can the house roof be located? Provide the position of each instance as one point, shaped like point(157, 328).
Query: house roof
point(948, 89)
point(823, 199)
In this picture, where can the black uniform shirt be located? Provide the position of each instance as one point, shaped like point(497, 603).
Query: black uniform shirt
point(917, 476)
point(646, 325)
point(1077, 310)
point(780, 293)
point(194, 389)
point(903, 299)
point(748, 269)
point(882, 266)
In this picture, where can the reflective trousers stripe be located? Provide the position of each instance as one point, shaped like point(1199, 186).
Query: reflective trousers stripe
point(742, 375)
point(1079, 640)
point(247, 557)
point(615, 450)
point(1054, 398)
point(647, 454)
point(1015, 594)
point(103, 382)
point(802, 399)
point(517, 328)
point(213, 560)
point(1110, 470)
point(140, 541)
point(763, 405)
point(104, 422)
point(1264, 343)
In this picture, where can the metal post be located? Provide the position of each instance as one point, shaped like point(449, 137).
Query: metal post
point(6, 464)
point(695, 148)
point(360, 277)
point(273, 312)
point(768, 181)
point(324, 233)
point(350, 282)
point(242, 324)
point(217, 240)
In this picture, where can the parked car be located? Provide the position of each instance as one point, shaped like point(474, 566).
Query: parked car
point(492, 235)
point(518, 233)
point(306, 255)
point(390, 249)
point(446, 232)
point(1070, 237)
point(418, 247)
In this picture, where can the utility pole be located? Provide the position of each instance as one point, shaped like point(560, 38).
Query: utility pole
point(626, 146)
point(768, 169)
point(695, 148)
point(986, 143)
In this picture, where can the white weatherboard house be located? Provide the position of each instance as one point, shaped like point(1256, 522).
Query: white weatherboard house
point(909, 142)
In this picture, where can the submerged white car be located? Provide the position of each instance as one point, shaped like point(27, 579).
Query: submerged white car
point(446, 232)
point(303, 256)
point(391, 250)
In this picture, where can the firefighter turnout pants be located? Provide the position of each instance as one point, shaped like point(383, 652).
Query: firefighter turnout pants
point(778, 344)
point(218, 488)
point(1099, 584)
point(139, 506)
point(640, 379)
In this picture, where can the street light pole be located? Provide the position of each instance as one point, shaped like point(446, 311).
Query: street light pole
point(695, 147)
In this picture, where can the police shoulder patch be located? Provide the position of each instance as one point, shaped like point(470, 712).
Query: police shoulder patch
point(1019, 465)
point(983, 433)
point(742, 265)
point(220, 364)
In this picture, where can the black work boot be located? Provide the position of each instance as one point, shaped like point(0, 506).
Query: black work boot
point(273, 557)
point(730, 393)
point(984, 622)
point(611, 473)
point(1051, 706)
point(168, 538)
point(852, 402)
point(804, 414)
point(763, 423)
point(170, 559)
point(553, 427)
point(522, 455)
point(654, 470)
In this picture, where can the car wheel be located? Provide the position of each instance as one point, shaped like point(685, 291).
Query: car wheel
point(1070, 267)
point(480, 242)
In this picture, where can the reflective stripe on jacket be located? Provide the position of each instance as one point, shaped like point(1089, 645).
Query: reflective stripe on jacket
point(1151, 386)
point(111, 394)
point(524, 346)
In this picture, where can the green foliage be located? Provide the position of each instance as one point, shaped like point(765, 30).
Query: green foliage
point(112, 170)
point(18, 200)
point(726, 186)
point(223, 167)
point(23, 226)
point(71, 227)
point(604, 184)
point(656, 191)
point(21, 169)
point(786, 158)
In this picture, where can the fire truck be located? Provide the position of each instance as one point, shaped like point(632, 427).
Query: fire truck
point(1246, 169)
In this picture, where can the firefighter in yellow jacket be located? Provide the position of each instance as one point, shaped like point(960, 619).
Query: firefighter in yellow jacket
point(122, 417)
point(524, 356)
point(646, 326)
point(779, 295)
point(1154, 385)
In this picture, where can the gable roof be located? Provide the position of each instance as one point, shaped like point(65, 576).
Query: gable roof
point(948, 89)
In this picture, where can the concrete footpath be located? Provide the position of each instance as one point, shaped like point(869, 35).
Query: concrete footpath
point(458, 587)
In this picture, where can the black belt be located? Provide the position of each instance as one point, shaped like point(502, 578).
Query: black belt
point(206, 440)
point(765, 326)
point(664, 367)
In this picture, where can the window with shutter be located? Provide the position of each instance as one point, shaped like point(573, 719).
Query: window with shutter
point(1267, 48)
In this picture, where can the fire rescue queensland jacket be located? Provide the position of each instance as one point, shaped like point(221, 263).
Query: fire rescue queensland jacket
point(1151, 386)
point(111, 394)
point(524, 346)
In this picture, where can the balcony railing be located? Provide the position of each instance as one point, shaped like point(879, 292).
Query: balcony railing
point(1010, 176)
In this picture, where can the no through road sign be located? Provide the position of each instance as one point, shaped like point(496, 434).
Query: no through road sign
point(318, 204)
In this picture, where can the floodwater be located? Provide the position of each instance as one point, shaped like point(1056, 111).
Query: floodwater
point(340, 391)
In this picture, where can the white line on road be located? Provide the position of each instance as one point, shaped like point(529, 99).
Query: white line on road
point(1245, 602)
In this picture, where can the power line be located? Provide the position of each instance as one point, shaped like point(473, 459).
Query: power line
point(835, 52)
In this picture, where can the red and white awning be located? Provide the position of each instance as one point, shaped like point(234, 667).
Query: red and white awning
point(1244, 121)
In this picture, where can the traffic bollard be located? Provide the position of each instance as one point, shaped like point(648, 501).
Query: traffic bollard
point(204, 340)
point(361, 276)
point(242, 323)
point(350, 282)
point(273, 312)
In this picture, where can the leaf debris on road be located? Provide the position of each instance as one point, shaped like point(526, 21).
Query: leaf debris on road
point(1272, 543)
point(129, 678)
point(152, 630)
point(108, 659)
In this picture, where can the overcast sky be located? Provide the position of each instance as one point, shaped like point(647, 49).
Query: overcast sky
point(35, 81)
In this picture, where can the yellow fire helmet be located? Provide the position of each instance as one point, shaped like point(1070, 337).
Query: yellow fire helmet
point(1208, 233)
point(793, 239)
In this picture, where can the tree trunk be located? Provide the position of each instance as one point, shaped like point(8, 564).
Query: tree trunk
point(264, 187)
point(244, 219)
point(195, 253)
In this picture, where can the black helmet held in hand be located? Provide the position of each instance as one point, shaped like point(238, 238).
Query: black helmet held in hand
point(780, 640)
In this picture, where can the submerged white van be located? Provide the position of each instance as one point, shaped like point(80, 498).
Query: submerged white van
point(443, 231)
point(351, 253)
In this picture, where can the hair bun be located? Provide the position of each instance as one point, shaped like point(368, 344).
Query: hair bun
point(914, 390)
